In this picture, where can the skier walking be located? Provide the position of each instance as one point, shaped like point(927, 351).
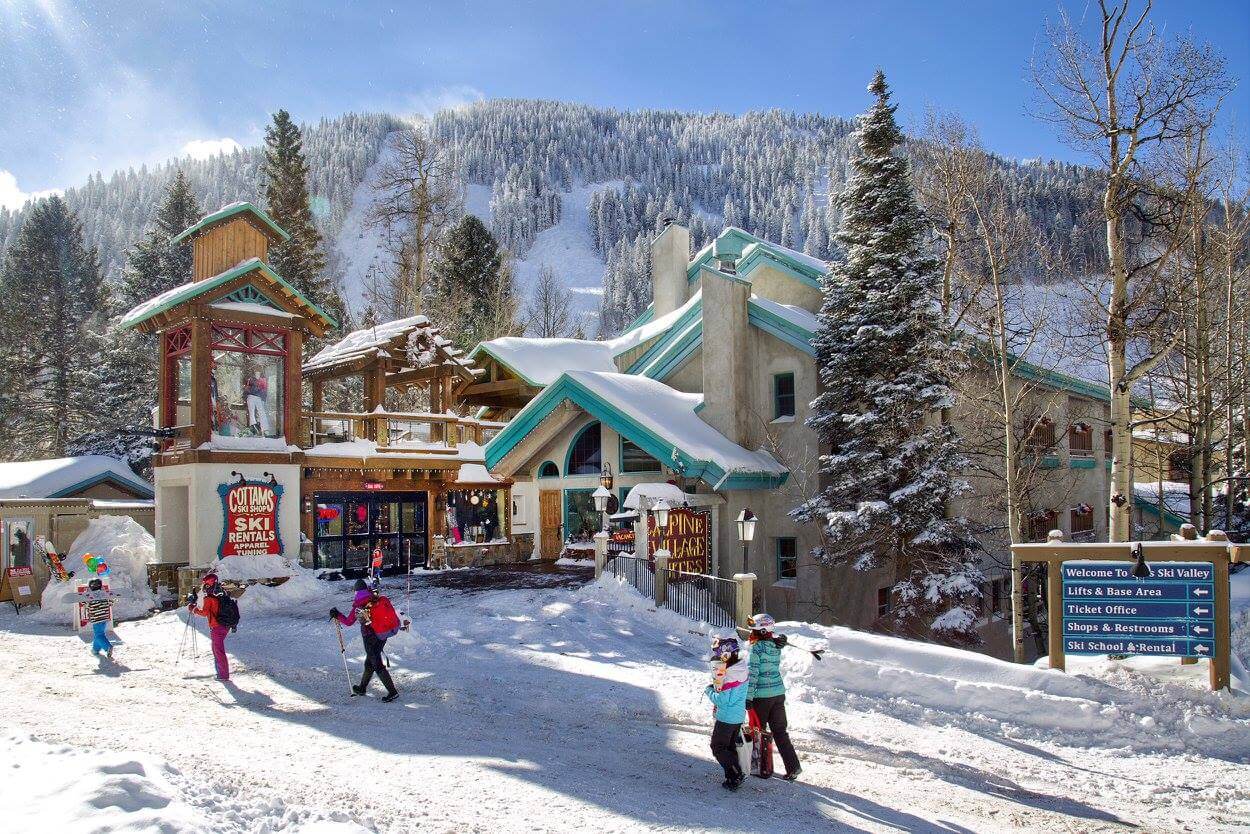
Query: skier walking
point(222, 613)
point(766, 690)
point(99, 604)
point(728, 694)
point(378, 623)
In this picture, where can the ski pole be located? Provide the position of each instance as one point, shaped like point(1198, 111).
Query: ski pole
point(343, 654)
point(816, 653)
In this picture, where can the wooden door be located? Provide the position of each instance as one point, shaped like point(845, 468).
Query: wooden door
point(550, 533)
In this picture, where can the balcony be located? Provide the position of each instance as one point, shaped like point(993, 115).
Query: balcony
point(412, 432)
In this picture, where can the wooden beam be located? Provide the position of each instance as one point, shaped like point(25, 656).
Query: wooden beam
point(294, 403)
point(503, 386)
point(201, 387)
point(412, 376)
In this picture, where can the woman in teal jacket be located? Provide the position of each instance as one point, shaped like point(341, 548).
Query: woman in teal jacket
point(728, 694)
point(766, 691)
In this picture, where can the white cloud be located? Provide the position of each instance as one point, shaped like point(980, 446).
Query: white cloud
point(12, 197)
point(206, 148)
point(429, 101)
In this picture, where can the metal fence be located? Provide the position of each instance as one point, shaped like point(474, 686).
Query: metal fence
point(637, 572)
point(707, 599)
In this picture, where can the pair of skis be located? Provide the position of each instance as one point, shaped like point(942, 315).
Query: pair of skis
point(756, 754)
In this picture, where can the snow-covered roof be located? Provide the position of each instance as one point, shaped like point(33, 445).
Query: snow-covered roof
point(194, 289)
point(61, 477)
point(539, 362)
point(799, 317)
point(660, 420)
point(392, 337)
point(669, 492)
point(1175, 496)
point(264, 222)
point(251, 307)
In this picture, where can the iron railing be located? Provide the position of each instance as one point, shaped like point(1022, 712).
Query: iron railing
point(701, 597)
point(637, 572)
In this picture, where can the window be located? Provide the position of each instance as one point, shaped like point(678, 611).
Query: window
point(787, 558)
point(1039, 524)
point(1081, 521)
point(1081, 440)
point(548, 470)
point(883, 600)
point(783, 395)
point(1041, 437)
point(1106, 443)
point(581, 520)
point(348, 527)
point(246, 393)
point(473, 515)
point(634, 459)
point(996, 595)
point(586, 454)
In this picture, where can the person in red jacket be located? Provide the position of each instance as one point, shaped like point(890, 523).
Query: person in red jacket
point(217, 631)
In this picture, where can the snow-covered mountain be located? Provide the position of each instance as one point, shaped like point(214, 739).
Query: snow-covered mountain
point(576, 187)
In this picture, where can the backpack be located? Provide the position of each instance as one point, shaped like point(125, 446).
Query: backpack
point(383, 619)
point(227, 611)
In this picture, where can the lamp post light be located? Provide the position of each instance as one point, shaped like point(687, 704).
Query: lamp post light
point(601, 497)
point(661, 514)
point(746, 532)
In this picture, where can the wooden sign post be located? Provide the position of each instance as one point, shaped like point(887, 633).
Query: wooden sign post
point(1171, 609)
point(21, 581)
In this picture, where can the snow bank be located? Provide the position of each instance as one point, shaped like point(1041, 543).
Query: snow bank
point(247, 568)
point(76, 791)
point(301, 588)
point(1108, 704)
point(127, 549)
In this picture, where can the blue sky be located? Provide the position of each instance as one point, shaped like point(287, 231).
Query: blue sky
point(98, 86)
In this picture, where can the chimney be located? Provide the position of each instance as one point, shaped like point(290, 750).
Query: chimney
point(726, 351)
point(670, 253)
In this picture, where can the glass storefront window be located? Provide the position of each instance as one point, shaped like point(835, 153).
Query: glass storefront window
point(350, 526)
point(247, 393)
point(473, 515)
point(182, 391)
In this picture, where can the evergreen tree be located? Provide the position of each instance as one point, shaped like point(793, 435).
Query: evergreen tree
point(300, 259)
point(470, 293)
point(885, 367)
point(153, 265)
point(49, 324)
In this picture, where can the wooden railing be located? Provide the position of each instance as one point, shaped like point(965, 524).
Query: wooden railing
point(397, 431)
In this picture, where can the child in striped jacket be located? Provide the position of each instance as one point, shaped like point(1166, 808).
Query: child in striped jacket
point(99, 604)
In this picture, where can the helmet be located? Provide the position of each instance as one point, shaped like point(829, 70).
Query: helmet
point(209, 579)
point(761, 622)
point(723, 647)
point(360, 585)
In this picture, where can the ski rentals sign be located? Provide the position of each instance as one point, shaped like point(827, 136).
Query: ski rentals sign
point(250, 510)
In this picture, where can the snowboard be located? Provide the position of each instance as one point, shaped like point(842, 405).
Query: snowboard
point(52, 559)
point(761, 747)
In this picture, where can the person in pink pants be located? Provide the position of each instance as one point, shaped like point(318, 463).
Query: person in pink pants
point(217, 632)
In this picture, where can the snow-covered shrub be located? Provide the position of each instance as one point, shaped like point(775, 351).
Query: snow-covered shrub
point(127, 549)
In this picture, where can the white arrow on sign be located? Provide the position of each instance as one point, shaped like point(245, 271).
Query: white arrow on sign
point(1201, 592)
point(1201, 629)
point(1200, 610)
point(1200, 649)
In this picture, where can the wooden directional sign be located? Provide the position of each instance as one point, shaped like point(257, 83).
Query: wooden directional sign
point(1106, 610)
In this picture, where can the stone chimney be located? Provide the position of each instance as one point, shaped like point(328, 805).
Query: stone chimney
point(726, 351)
point(670, 253)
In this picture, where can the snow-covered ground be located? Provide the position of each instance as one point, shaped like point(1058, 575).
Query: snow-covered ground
point(564, 708)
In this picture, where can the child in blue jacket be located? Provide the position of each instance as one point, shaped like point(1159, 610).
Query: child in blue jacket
point(728, 694)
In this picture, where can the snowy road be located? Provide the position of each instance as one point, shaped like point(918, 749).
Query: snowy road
point(555, 709)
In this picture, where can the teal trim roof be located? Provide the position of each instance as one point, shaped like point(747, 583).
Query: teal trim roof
point(227, 212)
point(660, 421)
point(65, 477)
point(188, 292)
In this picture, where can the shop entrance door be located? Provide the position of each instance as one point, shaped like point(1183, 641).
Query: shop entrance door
point(350, 525)
point(551, 539)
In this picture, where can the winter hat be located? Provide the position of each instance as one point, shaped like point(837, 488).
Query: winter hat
point(360, 585)
point(761, 622)
point(209, 579)
point(724, 647)
point(95, 584)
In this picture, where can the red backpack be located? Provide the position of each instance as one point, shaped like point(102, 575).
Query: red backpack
point(383, 619)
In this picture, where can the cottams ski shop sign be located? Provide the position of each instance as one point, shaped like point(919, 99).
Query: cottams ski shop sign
point(1106, 610)
point(251, 519)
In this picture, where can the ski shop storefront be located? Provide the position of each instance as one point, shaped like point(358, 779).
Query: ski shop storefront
point(401, 485)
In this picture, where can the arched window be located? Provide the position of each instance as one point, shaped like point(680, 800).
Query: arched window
point(548, 470)
point(586, 454)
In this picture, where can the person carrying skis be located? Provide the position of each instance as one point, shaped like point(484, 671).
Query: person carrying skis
point(728, 694)
point(222, 613)
point(99, 604)
point(766, 691)
point(378, 623)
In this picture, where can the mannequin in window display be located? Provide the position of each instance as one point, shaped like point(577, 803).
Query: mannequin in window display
point(256, 392)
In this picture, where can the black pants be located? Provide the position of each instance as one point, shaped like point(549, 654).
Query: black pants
point(374, 662)
point(772, 715)
point(725, 747)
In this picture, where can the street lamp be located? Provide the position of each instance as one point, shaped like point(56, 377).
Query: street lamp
point(602, 496)
point(605, 476)
point(746, 532)
point(661, 514)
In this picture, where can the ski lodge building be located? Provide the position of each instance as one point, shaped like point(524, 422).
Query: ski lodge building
point(708, 390)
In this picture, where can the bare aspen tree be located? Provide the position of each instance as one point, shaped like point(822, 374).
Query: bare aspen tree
point(1127, 97)
point(548, 315)
point(417, 198)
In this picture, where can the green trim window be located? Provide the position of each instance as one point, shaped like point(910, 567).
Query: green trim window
point(634, 459)
point(787, 558)
point(783, 395)
point(586, 452)
point(549, 470)
point(581, 520)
